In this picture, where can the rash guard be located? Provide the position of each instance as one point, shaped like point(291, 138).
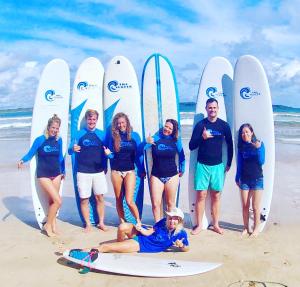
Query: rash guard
point(50, 160)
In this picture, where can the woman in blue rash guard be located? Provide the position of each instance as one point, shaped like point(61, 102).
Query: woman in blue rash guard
point(165, 174)
point(166, 233)
point(124, 151)
point(249, 175)
point(50, 168)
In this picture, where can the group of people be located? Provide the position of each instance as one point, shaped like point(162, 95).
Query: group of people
point(125, 150)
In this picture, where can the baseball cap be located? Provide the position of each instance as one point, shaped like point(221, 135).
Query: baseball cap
point(175, 212)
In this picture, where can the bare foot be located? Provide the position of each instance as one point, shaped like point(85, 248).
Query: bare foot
point(87, 229)
point(48, 230)
point(245, 232)
point(196, 230)
point(218, 229)
point(102, 227)
point(254, 234)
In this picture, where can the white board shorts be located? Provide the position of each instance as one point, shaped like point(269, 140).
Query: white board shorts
point(87, 182)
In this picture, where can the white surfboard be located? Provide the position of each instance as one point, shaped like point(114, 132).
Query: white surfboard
point(144, 266)
point(253, 105)
point(121, 94)
point(216, 82)
point(87, 94)
point(160, 100)
point(52, 97)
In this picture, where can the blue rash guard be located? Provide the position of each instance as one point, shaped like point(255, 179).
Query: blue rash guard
point(249, 162)
point(91, 158)
point(210, 150)
point(50, 160)
point(161, 239)
point(130, 153)
point(164, 152)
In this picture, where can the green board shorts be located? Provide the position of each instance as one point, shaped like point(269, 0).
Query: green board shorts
point(209, 177)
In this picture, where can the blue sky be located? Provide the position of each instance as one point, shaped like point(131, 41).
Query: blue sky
point(189, 34)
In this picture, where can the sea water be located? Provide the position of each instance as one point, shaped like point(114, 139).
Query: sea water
point(15, 124)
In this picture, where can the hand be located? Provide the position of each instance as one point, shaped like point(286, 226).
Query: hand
point(206, 134)
point(76, 148)
point(138, 226)
point(178, 243)
point(20, 164)
point(106, 150)
point(257, 144)
point(150, 139)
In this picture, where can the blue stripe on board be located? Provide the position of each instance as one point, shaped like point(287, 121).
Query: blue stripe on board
point(109, 112)
point(158, 91)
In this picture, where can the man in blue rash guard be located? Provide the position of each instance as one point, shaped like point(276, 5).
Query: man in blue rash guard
point(165, 145)
point(208, 136)
point(91, 166)
point(125, 151)
point(50, 169)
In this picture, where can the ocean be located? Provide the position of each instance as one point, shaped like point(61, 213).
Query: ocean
point(15, 124)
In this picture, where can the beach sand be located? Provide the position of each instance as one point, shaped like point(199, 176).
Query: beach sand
point(29, 258)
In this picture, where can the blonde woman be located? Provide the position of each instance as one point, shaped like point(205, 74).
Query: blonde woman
point(166, 233)
point(50, 168)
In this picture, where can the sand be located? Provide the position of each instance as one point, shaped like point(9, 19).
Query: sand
point(29, 258)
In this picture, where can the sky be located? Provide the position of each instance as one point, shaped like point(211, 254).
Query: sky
point(188, 32)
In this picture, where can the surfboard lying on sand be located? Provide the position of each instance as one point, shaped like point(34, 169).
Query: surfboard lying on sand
point(121, 94)
point(253, 105)
point(87, 94)
point(52, 97)
point(216, 82)
point(144, 266)
point(160, 100)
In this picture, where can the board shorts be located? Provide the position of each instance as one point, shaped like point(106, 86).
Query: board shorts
point(252, 184)
point(209, 177)
point(91, 181)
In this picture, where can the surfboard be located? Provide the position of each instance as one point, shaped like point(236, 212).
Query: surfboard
point(253, 104)
point(87, 94)
point(216, 82)
point(160, 101)
point(121, 94)
point(52, 97)
point(144, 266)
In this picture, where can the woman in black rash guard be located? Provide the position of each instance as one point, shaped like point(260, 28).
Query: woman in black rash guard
point(165, 145)
point(50, 168)
point(124, 151)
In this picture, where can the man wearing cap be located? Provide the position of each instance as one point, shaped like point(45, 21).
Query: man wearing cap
point(166, 233)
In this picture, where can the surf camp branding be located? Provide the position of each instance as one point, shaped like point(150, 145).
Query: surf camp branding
point(115, 86)
point(51, 96)
point(48, 148)
point(212, 92)
point(84, 85)
point(247, 93)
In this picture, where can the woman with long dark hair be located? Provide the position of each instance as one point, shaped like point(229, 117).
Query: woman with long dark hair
point(249, 175)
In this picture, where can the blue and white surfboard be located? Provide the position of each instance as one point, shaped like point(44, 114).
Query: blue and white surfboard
point(160, 100)
point(121, 94)
point(87, 94)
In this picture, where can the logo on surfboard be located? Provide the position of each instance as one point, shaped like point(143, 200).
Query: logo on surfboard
point(212, 92)
point(246, 93)
point(84, 85)
point(51, 96)
point(115, 86)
